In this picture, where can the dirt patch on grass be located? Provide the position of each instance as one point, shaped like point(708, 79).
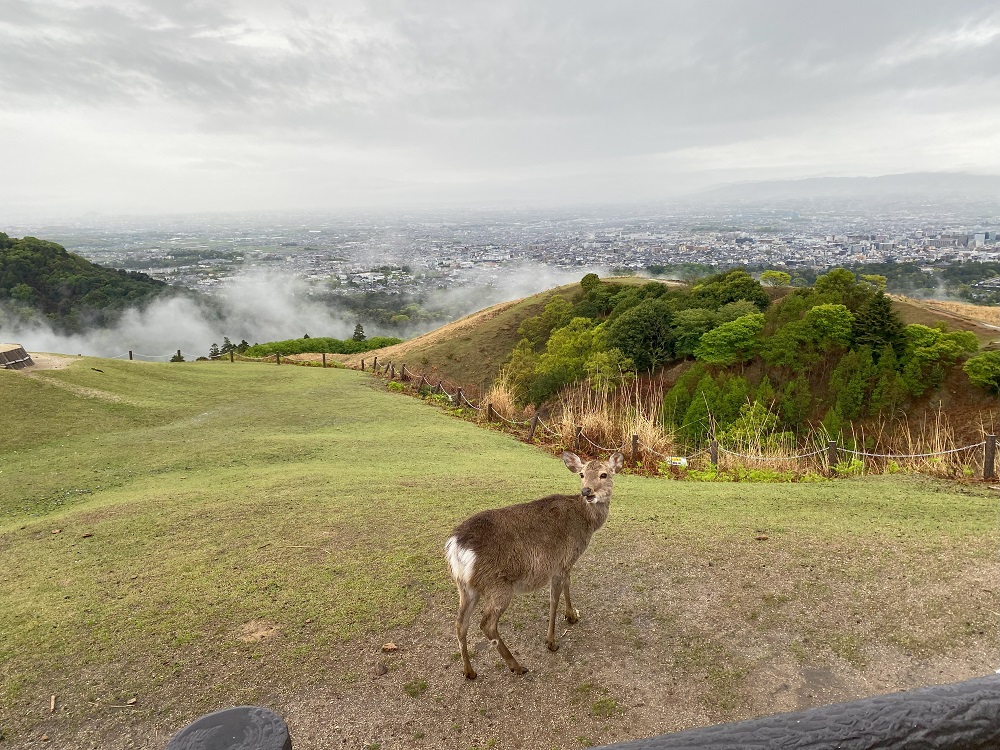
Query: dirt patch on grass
point(256, 631)
point(51, 361)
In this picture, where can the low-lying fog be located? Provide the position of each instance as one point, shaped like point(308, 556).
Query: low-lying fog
point(263, 307)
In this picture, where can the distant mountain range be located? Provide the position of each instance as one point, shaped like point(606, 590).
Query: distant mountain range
point(914, 185)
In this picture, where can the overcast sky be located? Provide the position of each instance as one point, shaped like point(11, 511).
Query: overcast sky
point(169, 106)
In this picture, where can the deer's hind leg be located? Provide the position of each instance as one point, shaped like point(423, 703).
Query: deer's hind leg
point(466, 603)
point(493, 607)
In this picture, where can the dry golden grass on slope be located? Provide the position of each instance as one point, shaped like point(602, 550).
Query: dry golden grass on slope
point(979, 313)
point(978, 319)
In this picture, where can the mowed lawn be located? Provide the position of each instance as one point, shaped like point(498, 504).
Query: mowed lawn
point(175, 538)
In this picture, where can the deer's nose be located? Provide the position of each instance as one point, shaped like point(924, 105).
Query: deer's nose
point(587, 492)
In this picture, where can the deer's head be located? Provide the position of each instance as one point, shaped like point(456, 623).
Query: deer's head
point(596, 477)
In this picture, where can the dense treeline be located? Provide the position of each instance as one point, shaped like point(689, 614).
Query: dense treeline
point(320, 345)
point(835, 351)
point(922, 280)
point(41, 281)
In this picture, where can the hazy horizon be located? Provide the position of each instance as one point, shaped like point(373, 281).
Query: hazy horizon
point(147, 107)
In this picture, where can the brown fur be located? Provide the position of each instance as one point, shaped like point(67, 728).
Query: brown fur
point(524, 547)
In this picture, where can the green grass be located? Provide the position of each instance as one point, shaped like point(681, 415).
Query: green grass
point(193, 500)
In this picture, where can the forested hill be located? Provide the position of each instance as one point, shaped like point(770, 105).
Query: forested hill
point(41, 281)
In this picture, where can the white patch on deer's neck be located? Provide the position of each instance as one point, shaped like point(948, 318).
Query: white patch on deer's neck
point(461, 561)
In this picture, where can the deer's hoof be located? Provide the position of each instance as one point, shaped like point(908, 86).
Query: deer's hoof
point(552, 646)
point(471, 674)
point(573, 616)
point(518, 669)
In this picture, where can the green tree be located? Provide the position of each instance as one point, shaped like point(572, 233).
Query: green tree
point(227, 345)
point(876, 281)
point(849, 382)
point(697, 420)
point(929, 354)
point(520, 368)
point(565, 357)
point(776, 278)
point(831, 325)
point(795, 402)
point(731, 286)
point(984, 370)
point(838, 282)
point(359, 333)
point(591, 282)
point(643, 334)
point(557, 312)
point(733, 310)
point(689, 326)
point(609, 369)
point(213, 351)
point(731, 343)
point(876, 325)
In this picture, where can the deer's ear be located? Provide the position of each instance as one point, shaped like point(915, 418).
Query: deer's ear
point(616, 462)
point(572, 461)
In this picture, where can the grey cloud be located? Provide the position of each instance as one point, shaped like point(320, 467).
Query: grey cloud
point(485, 92)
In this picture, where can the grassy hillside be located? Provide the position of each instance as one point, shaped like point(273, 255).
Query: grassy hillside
point(958, 317)
point(177, 538)
point(470, 351)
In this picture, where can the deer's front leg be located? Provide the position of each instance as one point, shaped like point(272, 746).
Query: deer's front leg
point(555, 587)
point(572, 614)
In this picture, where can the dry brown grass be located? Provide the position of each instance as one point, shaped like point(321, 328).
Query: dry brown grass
point(502, 396)
point(609, 418)
point(979, 313)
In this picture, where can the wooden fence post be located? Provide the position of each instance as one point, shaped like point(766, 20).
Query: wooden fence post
point(375, 365)
point(277, 358)
point(324, 360)
point(362, 365)
point(635, 449)
point(231, 357)
point(713, 453)
point(531, 430)
point(402, 372)
point(576, 440)
point(129, 355)
point(459, 397)
point(989, 457)
point(831, 455)
point(392, 371)
point(490, 414)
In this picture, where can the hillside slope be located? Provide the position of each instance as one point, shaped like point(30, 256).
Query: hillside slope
point(957, 316)
point(40, 280)
point(470, 351)
point(177, 538)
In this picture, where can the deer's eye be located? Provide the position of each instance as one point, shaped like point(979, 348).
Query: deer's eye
point(604, 476)
point(581, 475)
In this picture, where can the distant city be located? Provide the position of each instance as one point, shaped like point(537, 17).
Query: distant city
point(421, 252)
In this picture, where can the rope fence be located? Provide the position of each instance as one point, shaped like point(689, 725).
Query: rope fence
point(828, 459)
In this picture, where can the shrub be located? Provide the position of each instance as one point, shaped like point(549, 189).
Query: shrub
point(984, 370)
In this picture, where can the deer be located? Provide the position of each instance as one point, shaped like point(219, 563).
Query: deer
point(500, 552)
